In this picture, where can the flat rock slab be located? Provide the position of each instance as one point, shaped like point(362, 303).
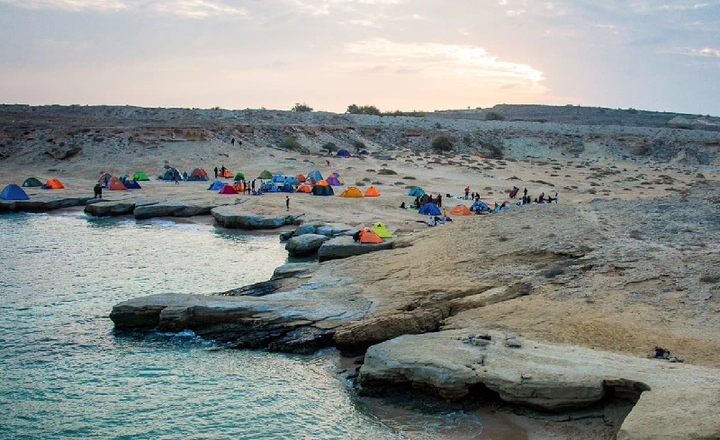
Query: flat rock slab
point(343, 247)
point(105, 209)
point(553, 377)
point(305, 244)
point(42, 206)
point(171, 210)
point(229, 217)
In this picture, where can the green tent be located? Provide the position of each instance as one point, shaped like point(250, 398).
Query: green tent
point(265, 175)
point(31, 181)
point(140, 176)
point(239, 176)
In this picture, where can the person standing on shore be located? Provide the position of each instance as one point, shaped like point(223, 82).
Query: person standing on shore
point(287, 203)
point(467, 192)
point(216, 171)
point(98, 191)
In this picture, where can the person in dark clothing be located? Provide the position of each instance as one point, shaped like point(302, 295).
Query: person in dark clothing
point(287, 203)
point(216, 171)
point(98, 190)
point(439, 199)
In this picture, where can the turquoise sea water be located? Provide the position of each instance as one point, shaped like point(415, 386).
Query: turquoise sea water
point(66, 374)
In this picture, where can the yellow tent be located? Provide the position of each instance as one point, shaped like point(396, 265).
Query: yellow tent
point(351, 192)
point(380, 229)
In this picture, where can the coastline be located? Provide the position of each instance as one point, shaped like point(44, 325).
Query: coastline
point(622, 264)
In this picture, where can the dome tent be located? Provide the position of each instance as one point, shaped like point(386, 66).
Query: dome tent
point(416, 191)
point(30, 182)
point(351, 192)
point(216, 185)
point(13, 192)
point(371, 191)
point(140, 176)
point(198, 174)
point(265, 175)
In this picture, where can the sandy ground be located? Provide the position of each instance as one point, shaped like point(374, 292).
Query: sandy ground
point(634, 329)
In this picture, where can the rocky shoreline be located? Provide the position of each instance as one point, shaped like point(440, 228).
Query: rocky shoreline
point(627, 260)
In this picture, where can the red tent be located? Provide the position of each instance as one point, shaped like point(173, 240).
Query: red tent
point(227, 189)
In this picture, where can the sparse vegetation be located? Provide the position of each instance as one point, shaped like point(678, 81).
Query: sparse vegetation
point(442, 144)
point(301, 108)
point(292, 144)
point(494, 116)
point(330, 147)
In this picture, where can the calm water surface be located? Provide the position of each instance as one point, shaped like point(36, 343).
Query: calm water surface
point(65, 374)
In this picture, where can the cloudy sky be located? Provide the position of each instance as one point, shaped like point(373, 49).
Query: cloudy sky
point(394, 54)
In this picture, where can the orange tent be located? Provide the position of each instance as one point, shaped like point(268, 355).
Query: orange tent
point(460, 210)
point(226, 174)
point(367, 235)
point(304, 188)
point(372, 192)
point(239, 186)
point(300, 177)
point(115, 184)
point(227, 189)
point(322, 183)
point(53, 183)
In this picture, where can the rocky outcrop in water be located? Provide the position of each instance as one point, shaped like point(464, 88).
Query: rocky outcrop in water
point(42, 206)
point(171, 210)
point(552, 378)
point(230, 217)
point(305, 244)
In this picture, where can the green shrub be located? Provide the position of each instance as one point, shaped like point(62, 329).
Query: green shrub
point(359, 145)
point(494, 116)
point(363, 110)
point(299, 108)
point(290, 143)
point(442, 144)
point(330, 147)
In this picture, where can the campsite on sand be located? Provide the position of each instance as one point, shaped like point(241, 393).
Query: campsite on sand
point(602, 306)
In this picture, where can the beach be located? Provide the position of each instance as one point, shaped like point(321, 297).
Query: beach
point(623, 262)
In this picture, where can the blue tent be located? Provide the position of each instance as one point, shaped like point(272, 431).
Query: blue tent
point(216, 185)
point(292, 180)
point(429, 209)
point(270, 187)
point(287, 188)
point(315, 175)
point(343, 153)
point(364, 152)
point(13, 192)
point(131, 184)
point(416, 191)
point(278, 178)
point(479, 204)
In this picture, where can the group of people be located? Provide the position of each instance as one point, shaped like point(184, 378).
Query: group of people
point(220, 171)
point(427, 198)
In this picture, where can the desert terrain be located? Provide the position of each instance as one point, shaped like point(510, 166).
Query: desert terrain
point(627, 259)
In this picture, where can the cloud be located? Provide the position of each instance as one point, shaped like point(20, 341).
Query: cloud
point(71, 5)
point(182, 8)
point(443, 60)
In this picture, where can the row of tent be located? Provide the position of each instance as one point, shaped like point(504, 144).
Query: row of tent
point(15, 192)
point(124, 182)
